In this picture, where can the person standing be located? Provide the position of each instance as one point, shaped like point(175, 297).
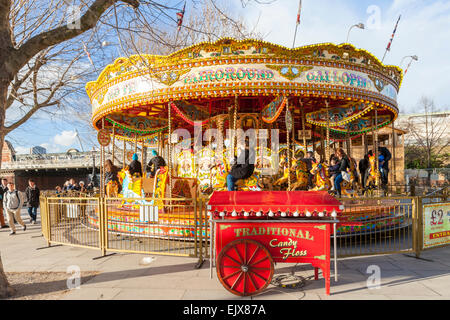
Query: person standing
point(384, 164)
point(363, 166)
point(12, 204)
point(3, 189)
point(32, 195)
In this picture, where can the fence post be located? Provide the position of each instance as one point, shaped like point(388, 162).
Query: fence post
point(48, 224)
point(101, 225)
point(417, 225)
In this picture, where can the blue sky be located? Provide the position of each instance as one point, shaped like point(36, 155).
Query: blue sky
point(423, 31)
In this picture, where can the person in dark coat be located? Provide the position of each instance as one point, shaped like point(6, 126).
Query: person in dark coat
point(309, 161)
point(240, 170)
point(333, 169)
point(32, 194)
point(345, 164)
point(363, 165)
point(155, 163)
point(3, 189)
point(135, 166)
point(384, 164)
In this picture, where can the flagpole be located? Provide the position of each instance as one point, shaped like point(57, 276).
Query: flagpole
point(295, 35)
point(388, 48)
point(297, 22)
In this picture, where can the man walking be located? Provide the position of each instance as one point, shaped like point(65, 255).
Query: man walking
point(3, 189)
point(12, 204)
point(32, 194)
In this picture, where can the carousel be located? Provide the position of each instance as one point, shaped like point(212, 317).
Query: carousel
point(315, 98)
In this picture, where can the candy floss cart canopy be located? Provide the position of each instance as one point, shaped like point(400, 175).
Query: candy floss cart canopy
point(201, 81)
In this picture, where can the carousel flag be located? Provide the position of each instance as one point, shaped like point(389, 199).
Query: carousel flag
point(393, 34)
point(180, 16)
point(299, 11)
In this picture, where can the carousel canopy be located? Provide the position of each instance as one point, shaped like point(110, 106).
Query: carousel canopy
point(202, 81)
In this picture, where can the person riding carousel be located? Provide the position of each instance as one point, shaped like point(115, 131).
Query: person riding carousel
point(241, 170)
point(344, 165)
point(155, 163)
point(135, 166)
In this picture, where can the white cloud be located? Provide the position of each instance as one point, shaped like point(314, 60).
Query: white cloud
point(66, 138)
point(22, 150)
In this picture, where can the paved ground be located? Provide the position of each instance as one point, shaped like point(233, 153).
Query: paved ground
point(130, 276)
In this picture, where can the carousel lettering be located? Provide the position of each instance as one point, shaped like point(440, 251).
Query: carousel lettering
point(262, 231)
point(337, 77)
point(230, 74)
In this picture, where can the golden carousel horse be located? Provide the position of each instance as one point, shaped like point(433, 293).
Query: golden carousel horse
point(350, 188)
point(373, 174)
point(321, 177)
point(301, 175)
point(285, 177)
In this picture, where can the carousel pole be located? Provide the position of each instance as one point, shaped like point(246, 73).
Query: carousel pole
point(303, 124)
point(142, 157)
point(375, 146)
point(124, 153)
point(102, 166)
point(235, 126)
point(170, 151)
point(288, 133)
point(135, 142)
point(393, 151)
point(114, 143)
point(327, 153)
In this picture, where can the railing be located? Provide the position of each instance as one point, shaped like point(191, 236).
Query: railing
point(178, 227)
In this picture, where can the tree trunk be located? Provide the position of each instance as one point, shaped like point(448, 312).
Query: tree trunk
point(5, 289)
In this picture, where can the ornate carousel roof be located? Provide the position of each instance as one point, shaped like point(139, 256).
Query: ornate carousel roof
point(202, 81)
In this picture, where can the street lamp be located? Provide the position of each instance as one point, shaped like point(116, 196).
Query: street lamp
point(359, 25)
point(413, 58)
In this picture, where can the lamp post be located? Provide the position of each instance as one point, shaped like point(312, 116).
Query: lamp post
point(413, 58)
point(359, 25)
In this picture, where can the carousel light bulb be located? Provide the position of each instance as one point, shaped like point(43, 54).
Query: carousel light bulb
point(308, 214)
point(270, 214)
point(222, 214)
point(258, 214)
point(283, 214)
point(234, 214)
point(296, 213)
point(246, 214)
point(321, 214)
point(334, 213)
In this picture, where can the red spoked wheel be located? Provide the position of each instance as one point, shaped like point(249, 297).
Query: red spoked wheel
point(244, 267)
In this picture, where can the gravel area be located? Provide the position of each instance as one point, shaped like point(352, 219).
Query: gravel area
point(42, 285)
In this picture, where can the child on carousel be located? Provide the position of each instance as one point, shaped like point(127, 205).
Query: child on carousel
point(333, 169)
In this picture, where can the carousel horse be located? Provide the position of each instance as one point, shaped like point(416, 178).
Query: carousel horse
point(285, 177)
point(349, 188)
point(301, 175)
point(372, 175)
point(320, 176)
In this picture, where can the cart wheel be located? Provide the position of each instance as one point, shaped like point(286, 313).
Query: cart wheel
point(244, 267)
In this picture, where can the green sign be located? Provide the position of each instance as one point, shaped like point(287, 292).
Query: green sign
point(436, 225)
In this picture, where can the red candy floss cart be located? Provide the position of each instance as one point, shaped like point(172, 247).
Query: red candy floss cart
point(250, 231)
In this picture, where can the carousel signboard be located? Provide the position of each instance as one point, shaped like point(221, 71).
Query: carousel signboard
point(436, 225)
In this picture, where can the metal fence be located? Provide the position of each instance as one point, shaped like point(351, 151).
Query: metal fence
point(175, 226)
point(381, 225)
point(179, 226)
